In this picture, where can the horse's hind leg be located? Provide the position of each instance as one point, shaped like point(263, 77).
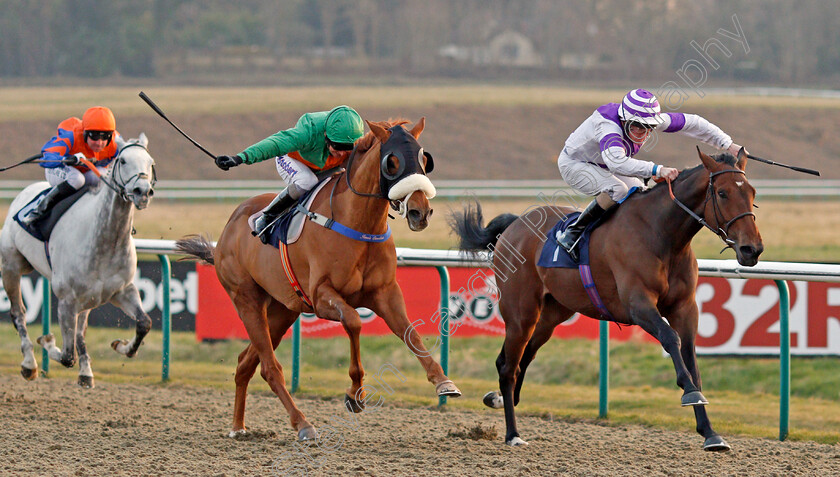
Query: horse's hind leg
point(280, 319)
point(251, 303)
point(521, 314)
point(128, 300)
point(85, 371)
point(12, 267)
point(388, 303)
point(552, 315)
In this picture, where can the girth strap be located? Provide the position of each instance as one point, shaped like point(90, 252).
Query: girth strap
point(594, 297)
point(290, 275)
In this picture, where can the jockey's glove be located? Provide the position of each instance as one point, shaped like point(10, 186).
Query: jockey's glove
point(74, 160)
point(226, 162)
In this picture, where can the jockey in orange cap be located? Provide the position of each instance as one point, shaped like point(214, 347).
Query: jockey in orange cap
point(91, 138)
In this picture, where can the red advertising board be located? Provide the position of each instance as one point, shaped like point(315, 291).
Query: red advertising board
point(736, 316)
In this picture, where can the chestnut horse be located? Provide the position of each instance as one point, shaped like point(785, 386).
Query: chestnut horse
point(336, 273)
point(642, 264)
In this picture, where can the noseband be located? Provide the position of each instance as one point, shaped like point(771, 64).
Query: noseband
point(721, 232)
point(120, 184)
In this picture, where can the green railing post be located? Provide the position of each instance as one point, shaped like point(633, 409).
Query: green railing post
point(46, 317)
point(296, 355)
point(166, 318)
point(444, 324)
point(604, 368)
point(784, 358)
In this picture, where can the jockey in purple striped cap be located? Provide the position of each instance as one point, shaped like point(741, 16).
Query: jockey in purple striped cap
point(598, 158)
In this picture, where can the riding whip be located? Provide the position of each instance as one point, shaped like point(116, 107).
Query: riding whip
point(795, 168)
point(160, 112)
point(28, 160)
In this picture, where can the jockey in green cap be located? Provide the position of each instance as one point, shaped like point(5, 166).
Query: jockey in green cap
point(318, 141)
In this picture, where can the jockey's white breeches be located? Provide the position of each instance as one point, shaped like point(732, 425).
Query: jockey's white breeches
point(294, 172)
point(71, 175)
point(590, 179)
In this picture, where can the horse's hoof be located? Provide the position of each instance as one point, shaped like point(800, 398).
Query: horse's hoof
point(694, 398)
point(43, 340)
point(28, 374)
point(307, 433)
point(86, 382)
point(353, 405)
point(447, 388)
point(237, 432)
point(116, 343)
point(494, 400)
point(715, 444)
point(516, 442)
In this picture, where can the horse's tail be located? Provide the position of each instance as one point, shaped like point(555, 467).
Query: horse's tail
point(196, 247)
point(472, 235)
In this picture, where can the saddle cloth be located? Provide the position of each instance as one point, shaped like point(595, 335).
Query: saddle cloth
point(42, 229)
point(555, 256)
point(288, 227)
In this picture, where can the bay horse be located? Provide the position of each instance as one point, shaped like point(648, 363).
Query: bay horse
point(642, 264)
point(89, 259)
point(336, 273)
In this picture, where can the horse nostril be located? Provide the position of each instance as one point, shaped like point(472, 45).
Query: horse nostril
point(747, 250)
point(414, 215)
point(137, 191)
point(151, 192)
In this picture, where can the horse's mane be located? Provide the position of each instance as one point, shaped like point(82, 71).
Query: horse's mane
point(686, 174)
point(368, 140)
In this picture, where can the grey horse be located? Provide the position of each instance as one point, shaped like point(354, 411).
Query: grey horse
point(92, 259)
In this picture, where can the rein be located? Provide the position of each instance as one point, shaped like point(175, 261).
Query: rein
point(120, 187)
point(710, 195)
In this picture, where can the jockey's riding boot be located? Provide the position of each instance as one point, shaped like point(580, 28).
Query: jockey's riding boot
point(570, 237)
point(55, 195)
point(270, 213)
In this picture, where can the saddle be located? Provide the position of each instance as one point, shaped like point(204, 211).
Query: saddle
point(288, 227)
point(42, 228)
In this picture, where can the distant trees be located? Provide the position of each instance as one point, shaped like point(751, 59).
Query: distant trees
point(790, 42)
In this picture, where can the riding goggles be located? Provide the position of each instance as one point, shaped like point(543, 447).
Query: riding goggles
point(340, 146)
point(99, 135)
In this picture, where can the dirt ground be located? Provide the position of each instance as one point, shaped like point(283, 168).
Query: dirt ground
point(52, 427)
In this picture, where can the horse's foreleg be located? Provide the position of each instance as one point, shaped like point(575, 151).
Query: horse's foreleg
point(685, 323)
point(67, 316)
point(388, 303)
point(331, 305)
point(128, 300)
point(11, 283)
point(650, 320)
point(280, 319)
point(251, 303)
point(85, 371)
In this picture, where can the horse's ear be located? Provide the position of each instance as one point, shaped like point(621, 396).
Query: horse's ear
point(143, 140)
point(742, 159)
point(381, 133)
point(418, 128)
point(119, 141)
point(708, 162)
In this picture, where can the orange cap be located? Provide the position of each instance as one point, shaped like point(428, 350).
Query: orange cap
point(99, 118)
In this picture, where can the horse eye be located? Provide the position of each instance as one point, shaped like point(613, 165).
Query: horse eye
point(122, 160)
point(722, 194)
